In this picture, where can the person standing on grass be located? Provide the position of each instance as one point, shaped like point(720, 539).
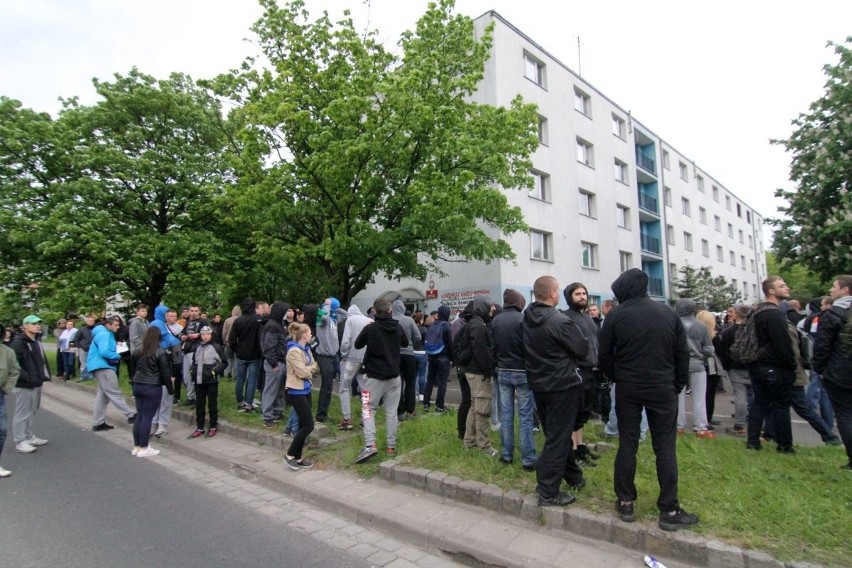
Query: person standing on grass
point(136, 330)
point(153, 372)
point(382, 340)
point(67, 351)
point(191, 338)
point(700, 348)
point(440, 360)
point(301, 368)
point(352, 360)
point(102, 362)
point(244, 339)
point(737, 372)
point(34, 372)
point(407, 361)
point(643, 350)
point(273, 343)
point(9, 372)
point(208, 363)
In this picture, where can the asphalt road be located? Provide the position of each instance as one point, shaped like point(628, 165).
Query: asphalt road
point(83, 501)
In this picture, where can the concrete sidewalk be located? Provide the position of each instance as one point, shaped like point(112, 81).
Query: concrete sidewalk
point(471, 522)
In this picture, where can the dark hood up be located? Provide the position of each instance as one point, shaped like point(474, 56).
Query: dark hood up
point(631, 284)
point(444, 313)
point(277, 311)
point(569, 289)
point(481, 306)
point(685, 307)
point(513, 299)
point(248, 306)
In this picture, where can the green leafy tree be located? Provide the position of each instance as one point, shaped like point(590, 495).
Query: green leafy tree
point(816, 229)
point(699, 284)
point(355, 161)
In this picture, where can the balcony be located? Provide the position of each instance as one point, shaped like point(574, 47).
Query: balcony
point(648, 203)
point(650, 244)
point(655, 286)
point(646, 163)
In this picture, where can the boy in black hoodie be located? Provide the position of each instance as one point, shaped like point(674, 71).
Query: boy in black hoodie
point(273, 343)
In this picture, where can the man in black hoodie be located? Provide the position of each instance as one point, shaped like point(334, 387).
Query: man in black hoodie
point(273, 342)
point(643, 350)
point(552, 344)
point(245, 341)
point(478, 368)
point(382, 339)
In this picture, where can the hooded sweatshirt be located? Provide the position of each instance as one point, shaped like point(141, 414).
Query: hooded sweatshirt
point(244, 338)
point(355, 322)
point(408, 327)
point(102, 353)
point(507, 332)
point(476, 335)
point(167, 339)
point(697, 335)
point(446, 332)
point(830, 357)
point(326, 324)
point(229, 323)
point(382, 341)
point(643, 341)
point(32, 364)
point(273, 336)
point(586, 324)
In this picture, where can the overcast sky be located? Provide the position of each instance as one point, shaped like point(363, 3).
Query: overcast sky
point(717, 80)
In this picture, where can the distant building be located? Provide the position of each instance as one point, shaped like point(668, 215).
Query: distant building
point(610, 194)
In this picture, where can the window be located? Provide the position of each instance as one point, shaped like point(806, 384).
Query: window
point(590, 254)
point(683, 172)
point(667, 195)
point(625, 260)
point(621, 171)
point(705, 248)
point(739, 211)
point(541, 185)
point(720, 253)
point(730, 231)
point(534, 70)
point(750, 242)
point(715, 194)
point(733, 258)
point(742, 238)
point(687, 241)
point(751, 262)
point(582, 102)
point(754, 290)
point(619, 128)
point(587, 203)
point(728, 202)
point(541, 245)
point(585, 153)
point(717, 221)
point(684, 205)
point(734, 282)
point(666, 160)
point(742, 262)
point(745, 289)
point(542, 130)
point(748, 217)
point(700, 184)
point(702, 215)
point(622, 216)
point(672, 270)
point(670, 234)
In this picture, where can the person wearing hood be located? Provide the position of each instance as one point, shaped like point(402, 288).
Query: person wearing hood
point(643, 350)
point(102, 362)
point(552, 345)
point(273, 342)
point(832, 358)
point(170, 344)
point(508, 334)
point(244, 339)
point(236, 312)
point(815, 391)
point(464, 387)
point(381, 341)
point(407, 362)
point(700, 349)
point(475, 355)
point(440, 360)
point(327, 353)
point(352, 360)
point(737, 372)
point(33, 372)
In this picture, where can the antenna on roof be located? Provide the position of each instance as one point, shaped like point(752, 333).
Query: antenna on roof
point(579, 59)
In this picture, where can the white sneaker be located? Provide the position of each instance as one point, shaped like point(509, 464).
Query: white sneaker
point(25, 448)
point(5, 472)
point(37, 441)
point(147, 452)
point(135, 451)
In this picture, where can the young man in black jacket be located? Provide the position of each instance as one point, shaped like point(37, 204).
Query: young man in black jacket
point(34, 372)
point(478, 369)
point(244, 340)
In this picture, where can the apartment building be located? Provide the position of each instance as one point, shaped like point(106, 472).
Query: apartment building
point(609, 194)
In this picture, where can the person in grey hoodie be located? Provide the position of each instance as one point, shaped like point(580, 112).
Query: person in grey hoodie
point(407, 362)
point(352, 359)
point(700, 348)
point(327, 352)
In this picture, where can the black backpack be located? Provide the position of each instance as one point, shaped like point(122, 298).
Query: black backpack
point(746, 349)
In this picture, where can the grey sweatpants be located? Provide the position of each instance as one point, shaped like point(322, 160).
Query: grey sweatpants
point(349, 371)
point(272, 398)
point(164, 413)
point(27, 403)
point(373, 392)
point(108, 392)
point(187, 377)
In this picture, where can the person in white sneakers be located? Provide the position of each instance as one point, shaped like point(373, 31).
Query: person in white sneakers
point(34, 371)
point(9, 372)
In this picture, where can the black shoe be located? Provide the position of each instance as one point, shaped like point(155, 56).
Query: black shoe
point(786, 450)
point(131, 419)
point(625, 511)
point(587, 453)
point(529, 467)
point(754, 446)
point(578, 485)
point(847, 467)
point(507, 461)
point(559, 500)
point(269, 424)
point(586, 463)
point(677, 520)
point(440, 410)
point(102, 426)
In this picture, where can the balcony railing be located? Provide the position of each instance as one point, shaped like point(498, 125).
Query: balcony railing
point(648, 203)
point(650, 244)
point(655, 286)
point(646, 163)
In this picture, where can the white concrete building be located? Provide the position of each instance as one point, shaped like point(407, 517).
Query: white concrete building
point(610, 194)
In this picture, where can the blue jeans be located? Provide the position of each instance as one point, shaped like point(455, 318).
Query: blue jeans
point(439, 372)
point(247, 372)
point(2, 421)
point(514, 383)
point(69, 360)
point(818, 398)
point(422, 366)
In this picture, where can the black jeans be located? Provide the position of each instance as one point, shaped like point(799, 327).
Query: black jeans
point(773, 396)
point(147, 398)
point(660, 404)
point(439, 372)
point(841, 401)
point(408, 374)
point(464, 405)
point(302, 405)
point(206, 394)
point(558, 411)
point(710, 395)
point(327, 367)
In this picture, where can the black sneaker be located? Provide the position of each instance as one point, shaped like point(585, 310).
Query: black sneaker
point(102, 427)
point(587, 454)
point(292, 463)
point(559, 500)
point(305, 464)
point(269, 424)
point(677, 519)
point(366, 454)
point(625, 511)
point(754, 446)
point(529, 467)
point(578, 485)
point(440, 410)
point(131, 419)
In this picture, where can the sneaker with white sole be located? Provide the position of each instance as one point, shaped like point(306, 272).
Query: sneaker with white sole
point(147, 452)
point(366, 454)
point(160, 433)
point(37, 441)
point(24, 448)
point(5, 472)
point(135, 451)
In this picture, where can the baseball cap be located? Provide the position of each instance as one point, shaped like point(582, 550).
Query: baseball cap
point(206, 329)
point(32, 319)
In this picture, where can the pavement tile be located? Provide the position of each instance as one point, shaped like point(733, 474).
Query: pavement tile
point(381, 558)
point(410, 553)
point(319, 516)
point(401, 563)
point(389, 544)
point(363, 550)
point(307, 525)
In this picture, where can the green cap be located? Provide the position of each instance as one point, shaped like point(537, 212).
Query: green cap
point(32, 319)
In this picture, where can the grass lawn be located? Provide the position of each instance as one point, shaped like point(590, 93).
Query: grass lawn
point(795, 507)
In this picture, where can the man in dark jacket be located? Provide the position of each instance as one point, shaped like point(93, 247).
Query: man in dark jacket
point(273, 342)
point(833, 360)
point(643, 350)
point(190, 339)
point(34, 371)
point(508, 335)
point(439, 363)
point(382, 339)
point(244, 340)
point(478, 365)
point(552, 345)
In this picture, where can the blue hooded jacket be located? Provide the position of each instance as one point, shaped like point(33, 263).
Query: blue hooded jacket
point(102, 350)
point(166, 338)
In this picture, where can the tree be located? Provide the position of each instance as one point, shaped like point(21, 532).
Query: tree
point(804, 284)
point(713, 293)
point(356, 161)
point(121, 197)
point(816, 229)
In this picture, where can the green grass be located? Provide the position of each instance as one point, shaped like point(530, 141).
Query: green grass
point(795, 507)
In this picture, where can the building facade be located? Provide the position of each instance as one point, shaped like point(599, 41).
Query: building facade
point(609, 194)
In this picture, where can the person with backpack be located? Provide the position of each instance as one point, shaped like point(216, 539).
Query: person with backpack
point(832, 358)
point(737, 371)
point(438, 346)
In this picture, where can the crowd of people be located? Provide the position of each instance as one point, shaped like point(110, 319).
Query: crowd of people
point(631, 363)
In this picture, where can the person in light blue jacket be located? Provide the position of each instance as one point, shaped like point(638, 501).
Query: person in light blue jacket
point(102, 362)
